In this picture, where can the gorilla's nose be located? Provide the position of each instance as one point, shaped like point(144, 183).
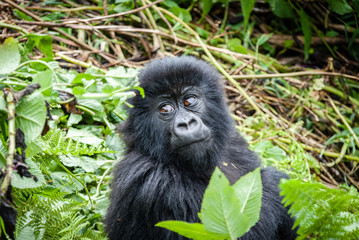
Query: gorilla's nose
point(187, 127)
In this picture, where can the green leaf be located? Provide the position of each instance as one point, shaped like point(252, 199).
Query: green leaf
point(219, 212)
point(190, 230)
point(86, 163)
point(82, 76)
point(107, 89)
point(263, 38)
point(249, 191)
point(281, 8)
point(203, 33)
point(206, 6)
point(31, 115)
point(182, 14)
point(275, 153)
point(288, 43)
point(9, 55)
point(27, 232)
point(307, 31)
point(84, 136)
point(66, 182)
point(25, 182)
point(120, 76)
point(42, 42)
point(3, 154)
point(45, 79)
point(78, 90)
point(73, 119)
point(235, 44)
point(340, 6)
point(142, 92)
point(2, 103)
point(247, 7)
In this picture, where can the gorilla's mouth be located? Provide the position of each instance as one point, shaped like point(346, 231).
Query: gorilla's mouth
point(193, 143)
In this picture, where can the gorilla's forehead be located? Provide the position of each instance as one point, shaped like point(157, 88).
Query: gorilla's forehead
point(176, 93)
point(176, 73)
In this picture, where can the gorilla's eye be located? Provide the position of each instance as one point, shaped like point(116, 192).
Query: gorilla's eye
point(189, 101)
point(167, 108)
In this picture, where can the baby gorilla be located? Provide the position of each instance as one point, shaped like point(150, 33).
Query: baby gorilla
point(175, 137)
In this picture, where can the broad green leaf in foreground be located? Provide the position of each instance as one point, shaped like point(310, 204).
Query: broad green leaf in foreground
point(31, 115)
point(249, 191)
point(220, 212)
point(190, 230)
point(9, 55)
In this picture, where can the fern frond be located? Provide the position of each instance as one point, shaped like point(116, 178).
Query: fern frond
point(322, 212)
point(54, 142)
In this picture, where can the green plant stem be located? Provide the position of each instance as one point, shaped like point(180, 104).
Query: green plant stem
point(86, 110)
point(214, 61)
point(42, 62)
point(75, 9)
point(294, 74)
point(318, 150)
point(77, 62)
point(81, 182)
point(12, 83)
point(116, 94)
point(7, 25)
point(345, 122)
point(342, 154)
point(341, 94)
point(100, 182)
point(12, 142)
point(223, 24)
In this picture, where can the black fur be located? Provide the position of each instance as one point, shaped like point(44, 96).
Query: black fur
point(154, 182)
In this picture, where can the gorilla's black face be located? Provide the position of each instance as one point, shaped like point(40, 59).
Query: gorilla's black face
point(181, 114)
point(183, 118)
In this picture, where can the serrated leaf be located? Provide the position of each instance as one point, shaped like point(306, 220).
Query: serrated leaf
point(220, 208)
point(190, 230)
point(248, 190)
point(9, 55)
point(31, 115)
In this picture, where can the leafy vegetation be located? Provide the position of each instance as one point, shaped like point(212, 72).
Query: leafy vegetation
point(67, 69)
point(227, 212)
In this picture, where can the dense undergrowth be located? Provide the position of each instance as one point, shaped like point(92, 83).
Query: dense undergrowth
point(66, 70)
